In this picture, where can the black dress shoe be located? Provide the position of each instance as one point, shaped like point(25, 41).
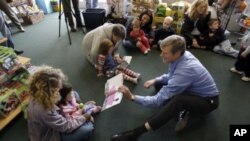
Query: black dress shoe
point(18, 52)
point(80, 25)
point(73, 30)
point(182, 122)
point(124, 136)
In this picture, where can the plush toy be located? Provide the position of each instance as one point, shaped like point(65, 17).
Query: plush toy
point(162, 10)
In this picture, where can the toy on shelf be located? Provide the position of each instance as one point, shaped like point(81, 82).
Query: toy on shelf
point(141, 5)
point(27, 11)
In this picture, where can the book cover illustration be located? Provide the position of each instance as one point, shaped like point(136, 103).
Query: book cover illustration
point(113, 97)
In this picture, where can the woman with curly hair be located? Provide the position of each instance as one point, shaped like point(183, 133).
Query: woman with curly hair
point(45, 123)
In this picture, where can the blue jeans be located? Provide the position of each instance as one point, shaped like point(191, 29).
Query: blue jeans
point(80, 134)
point(6, 32)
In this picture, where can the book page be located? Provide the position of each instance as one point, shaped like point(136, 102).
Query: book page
point(127, 59)
point(113, 97)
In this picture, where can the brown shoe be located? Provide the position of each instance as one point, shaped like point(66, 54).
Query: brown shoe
point(182, 123)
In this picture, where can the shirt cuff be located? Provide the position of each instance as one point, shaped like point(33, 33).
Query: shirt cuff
point(138, 99)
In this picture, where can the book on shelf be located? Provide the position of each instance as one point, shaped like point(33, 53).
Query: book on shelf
point(112, 96)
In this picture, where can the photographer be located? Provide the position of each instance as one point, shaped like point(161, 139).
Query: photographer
point(68, 13)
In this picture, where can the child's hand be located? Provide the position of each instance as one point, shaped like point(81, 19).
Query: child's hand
point(99, 75)
point(195, 44)
point(211, 34)
point(87, 117)
point(243, 54)
point(138, 44)
point(139, 38)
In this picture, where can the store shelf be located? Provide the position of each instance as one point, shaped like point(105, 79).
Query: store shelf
point(25, 61)
point(5, 121)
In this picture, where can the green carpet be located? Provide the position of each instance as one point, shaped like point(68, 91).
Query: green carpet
point(41, 43)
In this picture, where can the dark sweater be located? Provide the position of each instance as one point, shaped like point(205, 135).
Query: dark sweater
point(161, 34)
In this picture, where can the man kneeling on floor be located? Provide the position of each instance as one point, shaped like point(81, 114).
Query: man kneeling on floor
point(186, 90)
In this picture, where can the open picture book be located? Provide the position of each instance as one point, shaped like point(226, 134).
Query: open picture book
point(112, 96)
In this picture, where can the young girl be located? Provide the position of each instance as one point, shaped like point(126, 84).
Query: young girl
point(139, 36)
point(242, 64)
point(69, 103)
point(108, 66)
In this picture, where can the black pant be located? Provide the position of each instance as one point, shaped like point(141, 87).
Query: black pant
point(243, 64)
point(195, 105)
point(68, 12)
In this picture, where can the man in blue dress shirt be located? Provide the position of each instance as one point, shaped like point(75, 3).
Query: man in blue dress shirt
point(187, 88)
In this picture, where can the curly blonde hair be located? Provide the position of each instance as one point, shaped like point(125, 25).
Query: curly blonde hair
point(44, 86)
point(193, 14)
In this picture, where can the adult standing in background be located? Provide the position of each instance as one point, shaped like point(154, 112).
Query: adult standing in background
point(195, 22)
point(187, 86)
point(6, 33)
point(45, 122)
point(4, 6)
point(91, 4)
point(91, 41)
point(69, 14)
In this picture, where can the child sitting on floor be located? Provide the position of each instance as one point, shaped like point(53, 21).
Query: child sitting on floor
point(139, 36)
point(214, 39)
point(108, 66)
point(242, 64)
point(69, 105)
point(163, 32)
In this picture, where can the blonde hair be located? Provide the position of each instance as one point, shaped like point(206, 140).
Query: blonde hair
point(193, 14)
point(168, 18)
point(44, 86)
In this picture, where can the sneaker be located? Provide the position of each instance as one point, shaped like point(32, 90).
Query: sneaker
point(145, 52)
point(235, 71)
point(245, 78)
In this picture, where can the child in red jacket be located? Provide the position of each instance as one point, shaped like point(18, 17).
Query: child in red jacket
point(139, 36)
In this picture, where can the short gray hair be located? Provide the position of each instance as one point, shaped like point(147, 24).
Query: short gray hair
point(119, 31)
point(176, 42)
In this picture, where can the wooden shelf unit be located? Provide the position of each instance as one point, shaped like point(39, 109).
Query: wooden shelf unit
point(6, 120)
